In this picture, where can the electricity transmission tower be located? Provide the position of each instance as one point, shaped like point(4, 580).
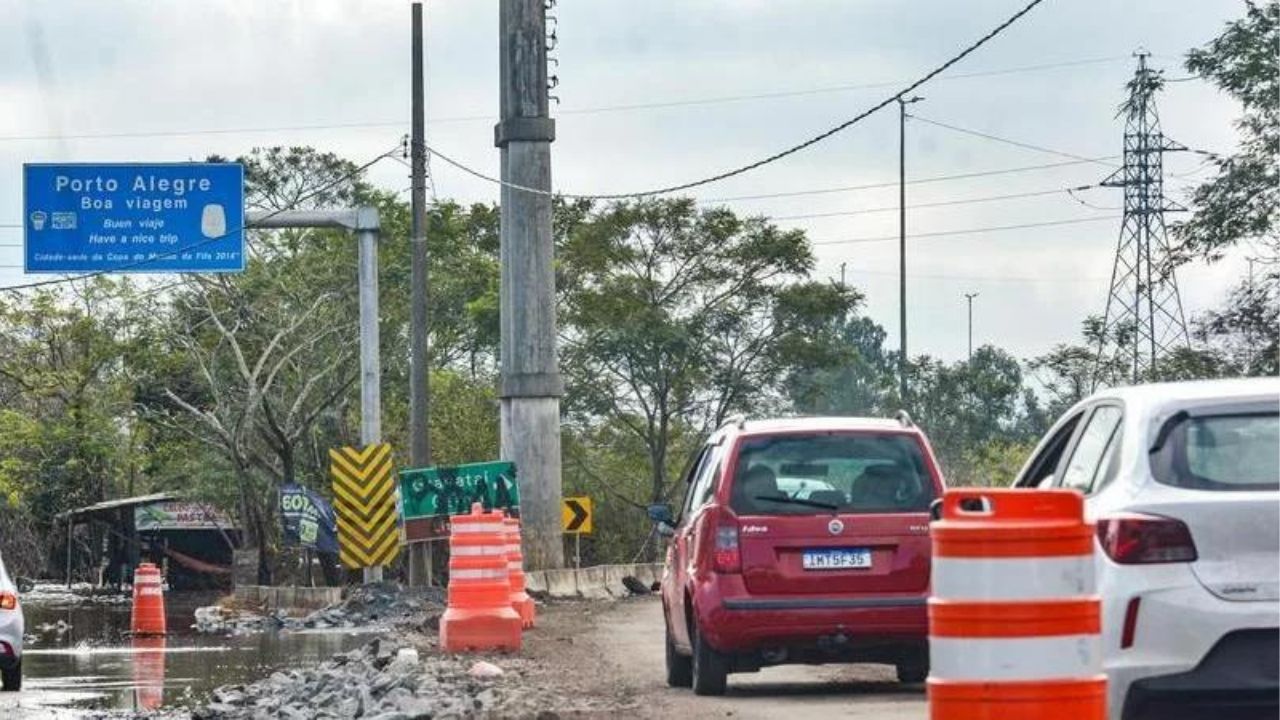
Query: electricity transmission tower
point(1144, 320)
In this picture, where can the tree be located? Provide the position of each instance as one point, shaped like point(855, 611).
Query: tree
point(1241, 201)
point(864, 383)
point(675, 317)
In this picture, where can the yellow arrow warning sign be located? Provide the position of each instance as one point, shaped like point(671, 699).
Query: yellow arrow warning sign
point(575, 515)
point(365, 503)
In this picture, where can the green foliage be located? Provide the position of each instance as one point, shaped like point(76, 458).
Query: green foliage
point(674, 316)
point(1241, 201)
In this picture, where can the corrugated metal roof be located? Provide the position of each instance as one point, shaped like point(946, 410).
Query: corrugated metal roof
point(119, 503)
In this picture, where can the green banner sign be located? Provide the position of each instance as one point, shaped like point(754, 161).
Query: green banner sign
point(450, 490)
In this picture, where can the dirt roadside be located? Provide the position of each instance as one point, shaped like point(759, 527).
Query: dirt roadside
point(615, 651)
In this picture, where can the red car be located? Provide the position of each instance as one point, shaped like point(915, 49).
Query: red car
point(800, 541)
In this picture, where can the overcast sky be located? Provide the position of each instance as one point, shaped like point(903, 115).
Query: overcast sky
point(266, 72)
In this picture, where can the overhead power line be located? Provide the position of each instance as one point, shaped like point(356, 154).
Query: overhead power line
point(1007, 141)
point(718, 100)
point(161, 256)
point(944, 203)
point(824, 135)
point(979, 278)
point(601, 109)
point(894, 183)
point(968, 231)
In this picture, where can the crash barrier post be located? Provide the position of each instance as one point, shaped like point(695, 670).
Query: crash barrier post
point(479, 616)
point(1014, 619)
point(147, 615)
point(520, 600)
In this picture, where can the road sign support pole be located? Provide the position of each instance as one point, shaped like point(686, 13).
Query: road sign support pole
point(577, 550)
point(364, 222)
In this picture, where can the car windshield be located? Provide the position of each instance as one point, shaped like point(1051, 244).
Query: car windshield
point(816, 474)
point(1222, 452)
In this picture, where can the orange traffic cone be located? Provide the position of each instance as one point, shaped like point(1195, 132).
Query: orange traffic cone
point(148, 601)
point(480, 616)
point(520, 599)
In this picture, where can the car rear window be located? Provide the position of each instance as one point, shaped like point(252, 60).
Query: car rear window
point(1222, 452)
point(821, 473)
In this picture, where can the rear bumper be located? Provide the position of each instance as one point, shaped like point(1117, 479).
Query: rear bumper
point(1179, 625)
point(1239, 678)
point(11, 628)
point(870, 628)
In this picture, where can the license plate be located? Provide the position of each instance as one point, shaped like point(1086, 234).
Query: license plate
point(851, 558)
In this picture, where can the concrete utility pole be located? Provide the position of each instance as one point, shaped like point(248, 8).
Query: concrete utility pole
point(419, 370)
point(530, 379)
point(364, 222)
point(419, 555)
point(970, 297)
point(902, 245)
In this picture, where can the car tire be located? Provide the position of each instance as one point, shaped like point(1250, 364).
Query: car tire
point(11, 678)
point(679, 667)
point(912, 673)
point(710, 668)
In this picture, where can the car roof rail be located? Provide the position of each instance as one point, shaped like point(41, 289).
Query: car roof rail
point(903, 419)
point(739, 420)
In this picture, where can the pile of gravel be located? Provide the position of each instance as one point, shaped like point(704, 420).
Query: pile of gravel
point(378, 604)
point(385, 680)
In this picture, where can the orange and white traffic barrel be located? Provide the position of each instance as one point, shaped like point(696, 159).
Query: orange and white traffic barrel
point(147, 616)
point(480, 616)
point(520, 600)
point(1014, 618)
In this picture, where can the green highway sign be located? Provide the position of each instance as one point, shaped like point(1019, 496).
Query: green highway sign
point(428, 496)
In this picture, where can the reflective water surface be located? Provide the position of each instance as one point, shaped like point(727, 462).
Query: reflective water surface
point(82, 658)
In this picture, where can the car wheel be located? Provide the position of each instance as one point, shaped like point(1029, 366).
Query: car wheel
point(912, 672)
point(679, 667)
point(710, 668)
point(11, 678)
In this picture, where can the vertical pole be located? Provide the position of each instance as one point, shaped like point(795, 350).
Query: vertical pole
point(70, 528)
point(970, 297)
point(419, 378)
point(902, 251)
point(842, 265)
point(530, 387)
point(419, 369)
point(577, 550)
point(370, 362)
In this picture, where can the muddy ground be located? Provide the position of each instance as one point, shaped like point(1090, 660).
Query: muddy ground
point(582, 660)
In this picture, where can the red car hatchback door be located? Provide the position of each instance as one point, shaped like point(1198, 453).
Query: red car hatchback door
point(833, 513)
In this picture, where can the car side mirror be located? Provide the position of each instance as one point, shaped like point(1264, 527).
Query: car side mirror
point(935, 509)
point(660, 514)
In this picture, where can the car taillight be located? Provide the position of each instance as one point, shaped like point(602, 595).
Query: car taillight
point(8, 601)
point(1145, 540)
point(728, 558)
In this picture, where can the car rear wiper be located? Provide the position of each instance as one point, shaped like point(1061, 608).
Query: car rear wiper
point(797, 501)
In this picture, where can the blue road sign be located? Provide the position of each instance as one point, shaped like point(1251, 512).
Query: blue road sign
point(124, 217)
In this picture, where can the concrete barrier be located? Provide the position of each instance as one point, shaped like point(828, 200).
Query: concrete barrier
point(272, 598)
point(599, 582)
point(535, 581)
point(562, 583)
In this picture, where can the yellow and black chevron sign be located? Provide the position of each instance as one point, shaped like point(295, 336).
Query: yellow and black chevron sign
point(364, 500)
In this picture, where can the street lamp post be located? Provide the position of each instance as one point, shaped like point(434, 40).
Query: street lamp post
point(970, 297)
point(902, 244)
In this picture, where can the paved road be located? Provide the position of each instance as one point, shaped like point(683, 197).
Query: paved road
point(630, 635)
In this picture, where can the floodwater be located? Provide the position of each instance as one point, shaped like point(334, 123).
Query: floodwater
point(82, 659)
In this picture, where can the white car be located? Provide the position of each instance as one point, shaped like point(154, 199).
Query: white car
point(11, 627)
point(1183, 482)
